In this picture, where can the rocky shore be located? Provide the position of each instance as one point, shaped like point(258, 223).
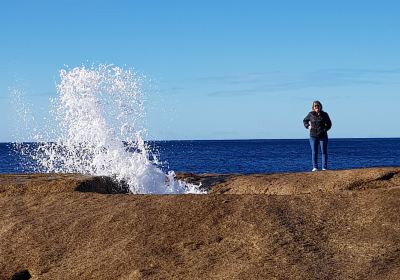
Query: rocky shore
point(322, 225)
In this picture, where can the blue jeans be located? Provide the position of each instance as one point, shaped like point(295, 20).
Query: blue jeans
point(314, 143)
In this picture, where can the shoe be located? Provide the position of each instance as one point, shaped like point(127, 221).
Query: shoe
point(324, 169)
point(314, 169)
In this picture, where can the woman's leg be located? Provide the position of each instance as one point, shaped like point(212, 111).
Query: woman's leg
point(314, 151)
point(324, 150)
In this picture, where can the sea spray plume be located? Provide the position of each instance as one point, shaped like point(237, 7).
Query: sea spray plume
point(100, 111)
point(26, 127)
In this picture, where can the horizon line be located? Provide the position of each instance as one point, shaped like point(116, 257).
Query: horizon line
point(238, 139)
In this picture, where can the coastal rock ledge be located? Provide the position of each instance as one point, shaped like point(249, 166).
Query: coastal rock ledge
point(341, 224)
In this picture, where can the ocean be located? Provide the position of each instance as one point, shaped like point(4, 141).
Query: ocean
point(98, 127)
point(245, 156)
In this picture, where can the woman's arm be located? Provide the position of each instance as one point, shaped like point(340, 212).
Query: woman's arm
point(328, 122)
point(306, 121)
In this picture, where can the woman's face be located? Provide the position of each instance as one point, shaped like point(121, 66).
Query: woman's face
point(316, 108)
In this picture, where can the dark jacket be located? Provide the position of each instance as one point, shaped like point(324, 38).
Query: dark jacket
point(320, 124)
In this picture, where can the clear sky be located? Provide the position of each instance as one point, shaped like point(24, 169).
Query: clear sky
point(216, 69)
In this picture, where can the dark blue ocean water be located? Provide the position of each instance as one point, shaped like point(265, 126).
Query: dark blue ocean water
point(248, 156)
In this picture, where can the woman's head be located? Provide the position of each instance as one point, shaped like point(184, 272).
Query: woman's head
point(316, 106)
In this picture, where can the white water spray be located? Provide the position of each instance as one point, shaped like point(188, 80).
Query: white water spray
point(99, 111)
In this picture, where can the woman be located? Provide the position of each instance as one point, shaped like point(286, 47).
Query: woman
point(318, 122)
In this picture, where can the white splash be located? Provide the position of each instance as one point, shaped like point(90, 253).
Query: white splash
point(100, 112)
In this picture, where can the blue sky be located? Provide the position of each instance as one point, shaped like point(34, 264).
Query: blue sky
point(216, 69)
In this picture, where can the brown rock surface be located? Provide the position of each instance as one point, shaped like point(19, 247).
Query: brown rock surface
point(325, 225)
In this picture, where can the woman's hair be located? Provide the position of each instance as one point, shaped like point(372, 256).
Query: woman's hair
point(316, 102)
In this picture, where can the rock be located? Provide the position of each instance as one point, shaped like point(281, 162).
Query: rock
point(321, 225)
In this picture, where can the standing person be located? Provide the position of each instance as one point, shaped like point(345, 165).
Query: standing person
point(318, 122)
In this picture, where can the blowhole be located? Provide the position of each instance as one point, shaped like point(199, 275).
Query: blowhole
point(104, 185)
